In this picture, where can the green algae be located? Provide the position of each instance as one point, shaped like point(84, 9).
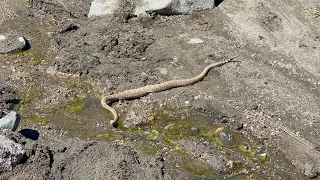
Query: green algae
point(106, 135)
point(171, 130)
point(110, 136)
point(150, 149)
point(195, 165)
point(37, 58)
point(31, 95)
point(191, 164)
point(39, 120)
point(316, 13)
point(252, 154)
point(146, 148)
point(246, 149)
point(21, 53)
point(217, 140)
point(77, 105)
point(249, 177)
point(153, 136)
point(261, 158)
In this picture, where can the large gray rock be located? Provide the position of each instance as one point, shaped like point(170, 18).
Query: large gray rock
point(8, 122)
point(11, 153)
point(103, 7)
point(173, 7)
point(11, 44)
point(164, 7)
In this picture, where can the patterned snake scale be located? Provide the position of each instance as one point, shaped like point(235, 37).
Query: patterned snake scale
point(145, 90)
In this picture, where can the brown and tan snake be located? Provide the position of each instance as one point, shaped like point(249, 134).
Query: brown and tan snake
point(143, 91)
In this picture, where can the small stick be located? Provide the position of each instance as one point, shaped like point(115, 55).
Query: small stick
point(60, 2)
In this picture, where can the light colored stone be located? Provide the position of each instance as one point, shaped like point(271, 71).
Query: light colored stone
point(8, 121)
point(138, 114)
point(3, 37)
point(103, 7)
point(11, 44)
point(11, 153)
point(143, 7)
point(195, 41)
point(153, 5)
point(173, 7)
point(163, 70)
point(134, 118)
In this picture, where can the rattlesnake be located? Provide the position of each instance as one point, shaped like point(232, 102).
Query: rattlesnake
point(143, 91)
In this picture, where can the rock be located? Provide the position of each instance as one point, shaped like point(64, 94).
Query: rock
point(134, 119)
point(7, 96)
point(73, 65)
point(224, 120)
point(311, 170)
point(103, 7)
point(226, 139)
point(137, 115)
point(172, 7)
point(11, 153)
point(195, 129)
point(143, 7)
point(9, 121)
point(12, 44)
point(316, 169)
point(218, 163)
point(195, 41)
point(168, 127)
point(68, 27)
point(2, 37)
point(237, 125)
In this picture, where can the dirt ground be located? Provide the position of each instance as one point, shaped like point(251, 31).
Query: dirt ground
point(56, 86)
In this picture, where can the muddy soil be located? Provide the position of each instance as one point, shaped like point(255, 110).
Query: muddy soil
point(272, 88)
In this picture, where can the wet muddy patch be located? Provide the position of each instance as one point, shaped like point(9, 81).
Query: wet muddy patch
point(196, 142)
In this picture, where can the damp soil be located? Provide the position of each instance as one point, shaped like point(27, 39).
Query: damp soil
point(272, 88)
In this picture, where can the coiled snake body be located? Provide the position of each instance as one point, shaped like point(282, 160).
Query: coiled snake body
point(143, 91)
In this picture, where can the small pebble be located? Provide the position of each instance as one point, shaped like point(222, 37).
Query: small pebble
point(195, 129)
point(146, 133)
point(237, 125)
point(226, 139)
point(224, 120)
point(151, 118)
point(253, 107)
point(2, 37)
point(218, 130)
point(195, 41)
point(308, 170)
point(169, 126)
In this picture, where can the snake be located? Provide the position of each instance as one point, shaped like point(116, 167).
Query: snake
point(154, 88)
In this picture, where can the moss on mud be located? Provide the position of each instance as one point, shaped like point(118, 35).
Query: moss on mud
point(31, 94)
point(194, 165)
point(170, 130)
point(77, 106)
point(37, 119)
point(37, 58)
point(249, 177)
point(108, 135)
